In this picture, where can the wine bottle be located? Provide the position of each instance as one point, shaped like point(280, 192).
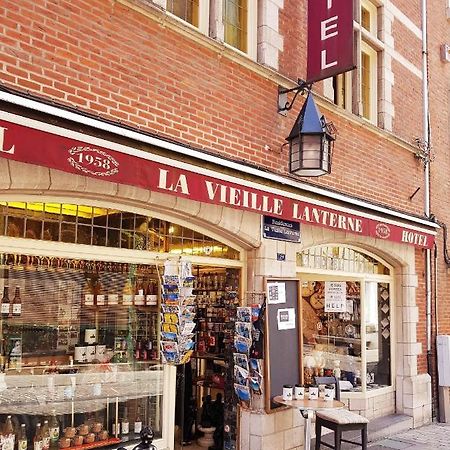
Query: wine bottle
point(54, 430)
point(45, 436)
point(100, 295)
point(125, 424)
point(6, 303)
point(38, 438)
point(17, 303)
point(138, 422)
point(9, 437)
point(127, 294)
point(89, 297)
point(22, 441)
point(139, 295)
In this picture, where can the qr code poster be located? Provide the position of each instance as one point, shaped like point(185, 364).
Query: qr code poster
point(276, 293)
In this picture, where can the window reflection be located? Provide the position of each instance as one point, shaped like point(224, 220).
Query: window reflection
point(105, 227)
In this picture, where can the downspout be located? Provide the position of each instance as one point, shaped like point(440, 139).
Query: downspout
point(426, 139)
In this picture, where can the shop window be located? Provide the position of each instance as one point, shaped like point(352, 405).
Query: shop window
point(346, 309)
point(79, 348)
point(106, 228)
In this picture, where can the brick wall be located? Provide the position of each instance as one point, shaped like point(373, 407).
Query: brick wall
point(105, 58)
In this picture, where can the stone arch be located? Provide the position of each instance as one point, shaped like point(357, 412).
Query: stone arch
point(24, 182)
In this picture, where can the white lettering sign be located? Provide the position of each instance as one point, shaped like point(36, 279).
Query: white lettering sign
point(2, 140)
point(335, 296)
point(328, 25)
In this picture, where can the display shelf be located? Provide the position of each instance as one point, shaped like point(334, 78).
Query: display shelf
point(97, 444)
point(339, 338)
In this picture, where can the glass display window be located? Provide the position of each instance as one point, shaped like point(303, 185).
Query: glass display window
point(346, 318)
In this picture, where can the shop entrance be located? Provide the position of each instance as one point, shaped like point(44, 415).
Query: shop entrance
point(203, 386)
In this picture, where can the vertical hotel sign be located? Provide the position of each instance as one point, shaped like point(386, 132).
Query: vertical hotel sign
point(330, 38)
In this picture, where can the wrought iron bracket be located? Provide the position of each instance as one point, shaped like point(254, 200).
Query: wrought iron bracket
point(283, 104)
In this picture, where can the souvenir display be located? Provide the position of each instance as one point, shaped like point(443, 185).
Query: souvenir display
point(177, 312)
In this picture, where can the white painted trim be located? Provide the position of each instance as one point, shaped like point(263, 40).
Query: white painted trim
point(404, 19)
point(373, 74)
point(131, 134)
point(404, 62)
point(252, 29)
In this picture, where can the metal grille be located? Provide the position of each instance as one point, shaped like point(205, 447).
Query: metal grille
point(336, 258)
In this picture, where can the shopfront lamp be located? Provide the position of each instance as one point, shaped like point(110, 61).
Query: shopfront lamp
point(310, 141)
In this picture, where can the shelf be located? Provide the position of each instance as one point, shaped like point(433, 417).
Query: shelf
point(339, 338)
point(97, 444)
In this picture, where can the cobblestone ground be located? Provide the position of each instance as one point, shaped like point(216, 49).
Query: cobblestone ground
point(430, 437)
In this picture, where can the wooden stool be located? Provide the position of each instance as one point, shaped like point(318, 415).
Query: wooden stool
point(339, 421)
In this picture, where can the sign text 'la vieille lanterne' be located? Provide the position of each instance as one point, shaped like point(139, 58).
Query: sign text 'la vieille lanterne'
point(35, 146)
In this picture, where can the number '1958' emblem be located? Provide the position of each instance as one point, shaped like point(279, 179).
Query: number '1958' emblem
point(93, 161)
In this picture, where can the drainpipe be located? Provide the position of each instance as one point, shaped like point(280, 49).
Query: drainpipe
point(426, 138)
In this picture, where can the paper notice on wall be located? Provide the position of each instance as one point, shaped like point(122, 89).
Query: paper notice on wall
point(286, 319)
point(276, 293)
point(335, 296)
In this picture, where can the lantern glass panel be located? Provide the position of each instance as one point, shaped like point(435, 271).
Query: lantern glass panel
point(294, 147)
point(311, 151)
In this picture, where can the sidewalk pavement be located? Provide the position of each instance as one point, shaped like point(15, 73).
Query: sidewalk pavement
point(395, 432)
point(429, 437)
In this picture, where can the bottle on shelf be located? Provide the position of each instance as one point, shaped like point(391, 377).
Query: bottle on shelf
point(138, 422)
point(100, 297)
point(45, 436)
point(127, 293)
point(125, 424)
point(17, 303)
point(6, 303)
point(115, 432)
point(54, 430)
point(89, 296)
point(22, 441)
point(38, 438)
point(9, 437)
point(139, 295)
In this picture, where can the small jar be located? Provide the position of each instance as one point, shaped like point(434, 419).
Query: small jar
point(313, 392)
point(77, 441)
point(287, 392)
point(299, 392)
point(102, 436)
point(64, 442)
point(329, 392)
point(70, 432)
point(83, 429)
point(97, 427)
point(89, 438)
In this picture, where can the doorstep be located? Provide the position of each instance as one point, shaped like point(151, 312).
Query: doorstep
point(378, 428)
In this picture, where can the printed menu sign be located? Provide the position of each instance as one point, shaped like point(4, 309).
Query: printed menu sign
point(335, 296)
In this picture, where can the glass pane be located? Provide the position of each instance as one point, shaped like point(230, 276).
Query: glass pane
point(378, 335)
point(365, 19)
point(235, 21)
point(332, 333)
point(184, 9)
point(97, 226)
point(88, 362)
point(366, 85)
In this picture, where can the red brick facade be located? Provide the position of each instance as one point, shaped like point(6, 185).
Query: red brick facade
point(105, 58)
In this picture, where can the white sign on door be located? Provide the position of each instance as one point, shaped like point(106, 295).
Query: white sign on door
point(335, 296)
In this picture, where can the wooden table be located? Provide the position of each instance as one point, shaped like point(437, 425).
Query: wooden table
point(307, 407)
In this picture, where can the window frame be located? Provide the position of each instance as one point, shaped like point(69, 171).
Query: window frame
point(316, 274)
point(373, 81)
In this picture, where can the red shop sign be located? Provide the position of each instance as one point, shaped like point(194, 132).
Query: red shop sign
point(330, 38)
point(29, 145)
